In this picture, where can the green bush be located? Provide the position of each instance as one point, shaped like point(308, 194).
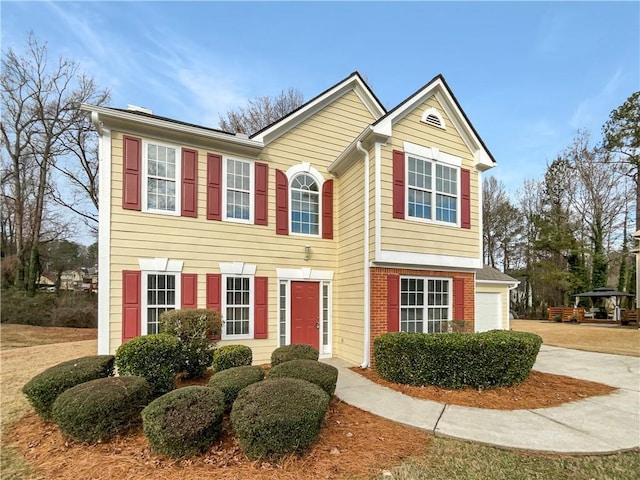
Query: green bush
point(18, 307)
point(184, 422)
point(157, 358)
point(491, 359)
point(195, 328)
point(231, 356)
point(43, 389)
point(278, 416)
point(297, 351)
point(234, 379)
point(321, 374)
point(99, 409)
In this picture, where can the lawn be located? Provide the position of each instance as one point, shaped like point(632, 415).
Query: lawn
point(428, 458)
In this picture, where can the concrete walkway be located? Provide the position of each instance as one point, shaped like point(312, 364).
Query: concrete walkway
point(603, 424)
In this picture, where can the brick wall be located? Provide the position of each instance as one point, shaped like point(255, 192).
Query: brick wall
point(379, 297)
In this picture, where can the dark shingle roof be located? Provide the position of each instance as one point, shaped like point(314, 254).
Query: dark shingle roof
point(491, 274)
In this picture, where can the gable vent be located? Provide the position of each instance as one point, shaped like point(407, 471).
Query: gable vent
point(431, 116)
point(433, 120)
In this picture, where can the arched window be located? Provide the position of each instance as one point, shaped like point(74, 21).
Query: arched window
point(305, 205)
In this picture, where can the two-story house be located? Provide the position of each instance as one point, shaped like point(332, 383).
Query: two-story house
point(336, 223)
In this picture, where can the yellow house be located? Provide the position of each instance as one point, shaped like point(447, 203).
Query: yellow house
point(336, 223)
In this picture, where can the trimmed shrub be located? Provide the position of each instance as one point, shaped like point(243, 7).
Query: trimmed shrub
point(321, 374)
point(195, 328)
point(184, 422)
point(231, 356)
point(296, 351)
point(234, 379)
point(278, 416)
point(43, 389)
point(497, 358)
point(157, 358)
point(99, 409)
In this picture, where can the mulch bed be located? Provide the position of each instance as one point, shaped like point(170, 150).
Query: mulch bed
point(540, 390)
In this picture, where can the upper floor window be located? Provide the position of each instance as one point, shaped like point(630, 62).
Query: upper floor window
point(238, 190)
point(305, 205)
point(162, 179)
point(432, 190)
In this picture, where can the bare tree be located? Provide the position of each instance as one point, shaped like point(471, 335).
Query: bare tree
point(40, 111)
point(261, 112)
point(501, 224)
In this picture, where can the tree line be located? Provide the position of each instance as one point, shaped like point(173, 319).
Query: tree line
point(571, 230)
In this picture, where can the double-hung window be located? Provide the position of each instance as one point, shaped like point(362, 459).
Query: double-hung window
point(425, 305)
point(433, 192)
point(305, 205)
point(238, 190)
point(161, 296)
point(162, 178)
point(238, 307)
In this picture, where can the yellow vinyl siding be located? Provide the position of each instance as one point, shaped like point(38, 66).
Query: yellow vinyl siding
point(503, 290)
point(428, 237)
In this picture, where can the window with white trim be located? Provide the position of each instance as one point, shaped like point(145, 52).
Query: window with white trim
point(162, 178)
point(238, 306)
point(238, 190)
point(305, 204)
point(425, 305)
point(432, 190)
point(161, 289)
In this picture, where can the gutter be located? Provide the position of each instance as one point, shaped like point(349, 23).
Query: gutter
point(367, 280)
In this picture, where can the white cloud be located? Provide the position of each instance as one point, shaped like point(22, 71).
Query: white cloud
point(593, 111)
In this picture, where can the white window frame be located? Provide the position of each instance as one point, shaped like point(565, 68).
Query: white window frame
point(144, 330)
point(225, 186)
point(426, 306)
point(145, 178)
point(158, 266)
point(432, 190)
point(294, 171)
point(238, 270)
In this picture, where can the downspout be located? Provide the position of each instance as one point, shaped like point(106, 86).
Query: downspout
point(367, 288)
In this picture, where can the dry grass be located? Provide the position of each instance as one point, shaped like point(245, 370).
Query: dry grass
point(593, 338)
point(20, 336)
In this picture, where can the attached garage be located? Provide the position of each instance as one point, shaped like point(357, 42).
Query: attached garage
point(492, 299)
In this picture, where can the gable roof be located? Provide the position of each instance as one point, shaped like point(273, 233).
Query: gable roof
point(493, 275)
point(353, 82)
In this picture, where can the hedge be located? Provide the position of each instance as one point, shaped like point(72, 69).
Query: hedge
point(232, 380)
point(157, 358)
point(296, 351)
point(455, 360)
point(97, 410)
point(43, 389)
point(230, 356)
point(184, 422)
point(321, 374)
point(278, 416)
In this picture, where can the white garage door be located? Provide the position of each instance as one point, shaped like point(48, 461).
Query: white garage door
point(488, 311)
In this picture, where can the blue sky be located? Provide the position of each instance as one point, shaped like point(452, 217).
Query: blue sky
point(528, 74)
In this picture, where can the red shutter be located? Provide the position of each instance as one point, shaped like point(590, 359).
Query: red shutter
point(282, 203)
point(393, 303)
point(261, 215)
point(131, 170)
point(131, 304)
point(261, 313)
point(465, 198)
point(458, 299)
point(327, 209)
point(214, 187)
point(214, 292)
point(189, 290)
point(189, 183)
point(398, 184)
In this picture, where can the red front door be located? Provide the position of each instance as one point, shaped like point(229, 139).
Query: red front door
point(305, 313)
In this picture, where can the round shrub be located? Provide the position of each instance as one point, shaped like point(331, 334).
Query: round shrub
point(195, 328)
point(43, 389)
point(296, 351)
point(278, 416)
point(99, 409)
point(232, 380)
point(157, 358)
point(184, 422)
point(321, 374)
point(230, 356)
point(497, 358)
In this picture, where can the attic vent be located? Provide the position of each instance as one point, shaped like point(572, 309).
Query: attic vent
point(432, 117)
point(136, 108)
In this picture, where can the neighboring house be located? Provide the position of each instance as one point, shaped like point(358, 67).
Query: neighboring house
point(335, 224)
point(71, 280)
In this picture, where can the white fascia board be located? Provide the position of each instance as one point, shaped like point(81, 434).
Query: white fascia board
point(352, 83)
point(512, 284)
point(426, 260)
point(108, 113)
